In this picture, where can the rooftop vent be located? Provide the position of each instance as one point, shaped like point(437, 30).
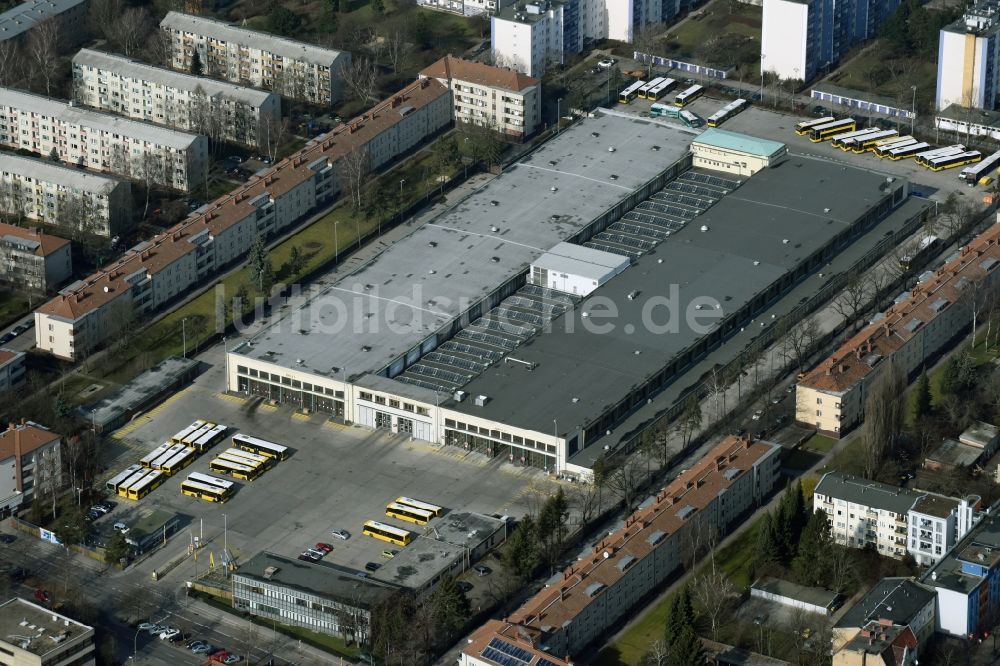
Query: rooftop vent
point(784, 241)
point(459, 396)
point(756, 263)
point(613, 176)
point(269, 572)
point(655, 147)
point(494, 228)
point(704, 228)
point(481, 400)
point(595, 134)
point(554, 188)
point(432, 243)
point(431, 272)
point(366, 348)
point(611, 149)
point(495, 260)
point(494, 203)
point(575, 400)
point(826, 210)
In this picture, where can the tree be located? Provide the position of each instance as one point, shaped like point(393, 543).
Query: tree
point(852, 300)
point(196, 67)
point(73, 525)
point(396, 48)
point(811, 564)
point(130, 29)
point(361, 78)
point(552, 526)
point(959, 374)
point(296, 260)
point(450, 609)
point(690, 418)
point(42, 52)
point(798, 341)
point(257, 262)
point(355, 167)
point(520, 556)
point(378, 6)
point(883, 417)
point(10, 62)
point(922, 405)
point(713, 592)
point(624, 482)
point(768, 548)
point(282, 20)
point(790, 519)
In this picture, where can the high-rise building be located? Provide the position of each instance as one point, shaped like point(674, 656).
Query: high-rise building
point(294, 69)
point(968, 52)
point(133, 89)
point(799, 38)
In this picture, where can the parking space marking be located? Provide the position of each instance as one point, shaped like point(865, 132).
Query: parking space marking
point(264, 407)
point(126, 429)
point(230, 398)
point(299, 416)
point(333, 424)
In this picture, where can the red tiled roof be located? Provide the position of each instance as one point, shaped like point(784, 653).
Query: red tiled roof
point(697, 488)
point(522, 637)
point(6, 355)
point(450, 67)
point(47, 244)
point(856, 358)
point(165, 248)
point(24, 438)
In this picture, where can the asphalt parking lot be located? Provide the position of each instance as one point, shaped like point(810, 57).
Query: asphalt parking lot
point(335, 478)
point(765, 123)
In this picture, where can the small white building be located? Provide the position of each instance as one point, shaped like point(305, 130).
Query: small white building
point(740, 154)
point(576, 269)
point(937, 523)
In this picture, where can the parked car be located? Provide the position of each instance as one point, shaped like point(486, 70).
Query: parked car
point(318, 554)
point(235, 158)
point(757, 414)
point(325, 547)
point(17, 574)
point(121, 527)
point(194, 644)
point(94, 515)
point(341, 534)
point(42, 596)
point(607, 63)
point(372, 566)
point(100, 508)
point(389, 554)
point(169, 633)
point(308, 557)
point(6, 337)
point(7, 538)
point(19, 329)
point(203, 648)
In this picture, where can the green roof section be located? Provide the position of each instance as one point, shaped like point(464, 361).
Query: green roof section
point(743, 143)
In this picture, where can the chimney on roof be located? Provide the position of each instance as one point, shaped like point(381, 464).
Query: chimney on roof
point(868, 345)
point(396, 101)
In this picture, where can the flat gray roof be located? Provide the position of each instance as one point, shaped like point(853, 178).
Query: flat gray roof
point(39, 625)
point(955, 453)
point(463, 528)
point(426, 280)
point(869, 493)
point(979, 548)
point(419, 564)
point(580, 260)
point(287, 48)
point(133, 69)
point(139, 391)
point(316, 579)
point(896, 599)
point(55, 108)
point(816, 596)
point(26, 15)
point(53, 172)
point(579, 374)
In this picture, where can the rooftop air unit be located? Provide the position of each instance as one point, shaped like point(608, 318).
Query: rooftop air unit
point(481, 400)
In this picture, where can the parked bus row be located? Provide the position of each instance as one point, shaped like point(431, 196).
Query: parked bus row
point(413, 511)
point(136, 482)
point(207, 487)
point(246, 459)
point(727, 112)
point(240, 464)
point(983, 172)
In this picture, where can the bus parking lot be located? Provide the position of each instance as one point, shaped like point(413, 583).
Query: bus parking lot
point(764, 123)
point(335, 478)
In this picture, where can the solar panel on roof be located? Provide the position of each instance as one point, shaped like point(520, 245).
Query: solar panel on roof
point(544, 662)
point(517, 654)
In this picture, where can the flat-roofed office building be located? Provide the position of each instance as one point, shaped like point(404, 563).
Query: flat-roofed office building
point(294, 69)
point(100, 141)
point(130, 88)
point(66, 197)
point(31, 635)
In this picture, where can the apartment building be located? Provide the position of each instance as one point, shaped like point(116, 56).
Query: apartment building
point(222, 111)
point(831, 396)
point(32, 635)
point(320, 598)
point(799, 38)
point(879, 644)
point(294, 69)
point(937, 523)
point(899, 602)
point(220, 234)
point(967, 582)
point(865, 513)
point(29, 453)
point(894, 521)
point(101, 141)
point(597, 591)
point(968, 72)
point(32, 261)
point(466, 7)
point(23, 16)
point(66, 197)
point(12, 367)
point(490, 96)
point(531, 37)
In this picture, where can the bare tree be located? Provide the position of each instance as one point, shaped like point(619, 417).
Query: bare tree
point(130, 29)
point(624, 481)
point(354, 166)
point(10, 62)
point(974, 297)
point(151, 170)
point(271, 135)
point(361, 78)
point(73, 451)
point(42, 52)
point(658, 655)
point(713, 592)
point(798, 342)
point(883, 416)
point(49, 477)
point(396, 47)
point(852, 300)
point(158, 49)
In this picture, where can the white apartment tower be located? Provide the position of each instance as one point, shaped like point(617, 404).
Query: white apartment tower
point(294, 69)
point(136, 90)
point(62, 196)
point(968, 59)
point(101, 141)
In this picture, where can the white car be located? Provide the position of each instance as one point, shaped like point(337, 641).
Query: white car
point(341, 534)
point(756, 415)
point(318, 554)
point(607, 63)
point(121, 527)
point(169, 633)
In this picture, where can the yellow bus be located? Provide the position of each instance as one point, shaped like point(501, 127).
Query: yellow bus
point(178, 462)
point(127, 483)
point(384, 532)
point(831, 129)
point(207, 488)
point(803, 128)
point(687, 96)
point(147, 460)
point(423, 506)
point(251, 458)
point(239, 470)
point(145, 485)
point(208, 438)
point(408, 513)
point(115, 482)
point(260, 446)
point(190, 430)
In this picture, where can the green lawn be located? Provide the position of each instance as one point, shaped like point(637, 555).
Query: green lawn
point(12, 308)
point(629, 650)
point(875, 70)
point(719, 34)
point(819, 443)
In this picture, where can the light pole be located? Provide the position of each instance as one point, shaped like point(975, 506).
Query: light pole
point(184, 336)
point(225, 351)
point(762, 78)
point(913, 108)
point(79, 496)
point(402, 181)
point(336, 247)
point(225, 543)
point(135, 644)
point(93, 420)
point(558, 114)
